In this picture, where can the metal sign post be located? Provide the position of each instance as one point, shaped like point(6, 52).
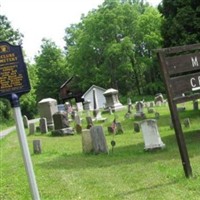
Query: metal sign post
point(24, 146)
point(180, 67)
point(13, 83)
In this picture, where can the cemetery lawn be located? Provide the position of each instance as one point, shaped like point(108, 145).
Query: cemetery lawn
point(63, 172)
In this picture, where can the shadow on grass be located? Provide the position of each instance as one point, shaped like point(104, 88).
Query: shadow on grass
point(128, 155)
point(144, 189)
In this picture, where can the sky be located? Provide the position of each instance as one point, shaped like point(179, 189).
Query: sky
point(38, 19)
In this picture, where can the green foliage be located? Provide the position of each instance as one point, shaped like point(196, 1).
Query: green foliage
point(52, 70)
point(28, 101)
point(7, 33)
point(112, 46)
point(181, 22)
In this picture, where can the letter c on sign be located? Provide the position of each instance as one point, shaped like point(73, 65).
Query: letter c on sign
point(192, 82)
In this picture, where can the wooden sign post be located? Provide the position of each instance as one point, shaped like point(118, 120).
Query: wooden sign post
point(13, 83)
point(180, 67)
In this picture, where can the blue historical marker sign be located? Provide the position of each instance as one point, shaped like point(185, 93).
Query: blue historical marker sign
point(13, 72)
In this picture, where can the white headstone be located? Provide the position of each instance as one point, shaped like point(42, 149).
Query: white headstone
point(151, 135)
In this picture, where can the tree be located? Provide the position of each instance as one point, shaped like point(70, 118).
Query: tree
point(181, 22)
point(7, 33)
point(52, 70)
point(112, 46)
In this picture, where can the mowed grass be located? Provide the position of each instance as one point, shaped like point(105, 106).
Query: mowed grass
point(64, 172)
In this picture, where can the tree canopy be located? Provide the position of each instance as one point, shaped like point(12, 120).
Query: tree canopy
point(181, 22)
point(112, 46)
point(52, 70)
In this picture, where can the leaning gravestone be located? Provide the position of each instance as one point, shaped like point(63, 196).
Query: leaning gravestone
point(98, 140)
point(151, 135)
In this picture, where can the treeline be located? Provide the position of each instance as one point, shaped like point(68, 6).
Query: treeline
point(112, 46)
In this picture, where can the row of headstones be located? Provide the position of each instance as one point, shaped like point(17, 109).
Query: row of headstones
point(94, 141)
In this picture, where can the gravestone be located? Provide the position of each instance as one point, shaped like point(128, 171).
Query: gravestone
point(77, 119)
point(68, 107)
point(47, 107)
point(186, 123)
point(86, 141)
point(86, 105)
point(119, 128)
point(159, 99)
point(37, 149)
point(78, 128)
point(195, 104)
point(151, 135)
point(63, 132)
point(32, 128)
point(60, 120)
point(43, 125)
point(79, 106)
point(89, 122)
point(136, 126)
point(139, 110)
point(112, 100)
point(157, 115)
point(25, 121)
point(98, 140)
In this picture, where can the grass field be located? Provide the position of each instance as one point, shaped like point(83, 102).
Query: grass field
point(63, 172)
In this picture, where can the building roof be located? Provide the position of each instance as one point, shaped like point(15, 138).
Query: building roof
point(91, 88)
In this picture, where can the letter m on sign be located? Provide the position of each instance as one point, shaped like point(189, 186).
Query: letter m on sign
point(181, 71)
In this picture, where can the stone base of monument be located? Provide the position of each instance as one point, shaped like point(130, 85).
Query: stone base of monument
point(114, 108)
point(63, 132)
point(139, 116)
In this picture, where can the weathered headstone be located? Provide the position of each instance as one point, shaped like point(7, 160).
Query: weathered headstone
point(86, 105)
point(139, 110)
point(32, 128)
point(25, 121)
point(136, 126)
point(159, 99)
point(37, 149)
point(98, 140)
point(60, 120)
point(79, 106)
point(186, 122)
point(43, 125)
point(77, 120)
point(87, 145)
point(47, 107)
point(151, 135)
point(119, 128)
point(196, 104)
point(63, 132)
point(157, 115)
point(89, 122)
point(78, 128)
